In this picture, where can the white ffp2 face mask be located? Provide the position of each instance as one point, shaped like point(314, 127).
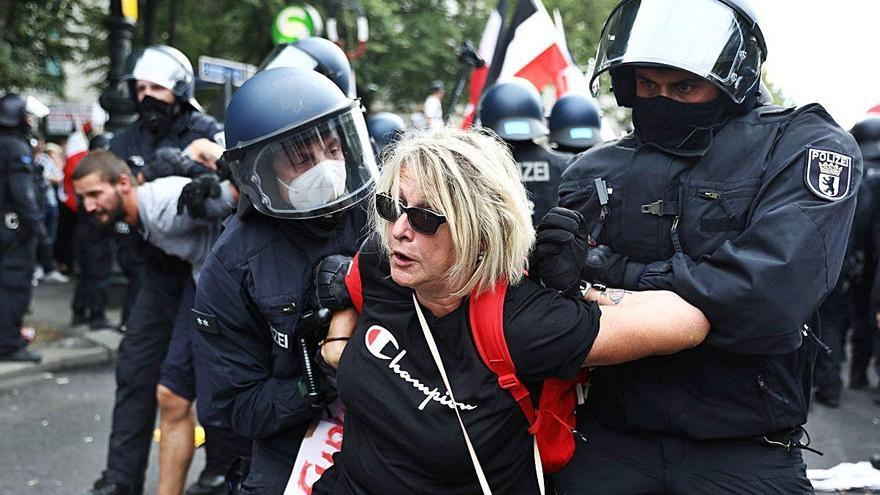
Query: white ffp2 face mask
point(320, 185)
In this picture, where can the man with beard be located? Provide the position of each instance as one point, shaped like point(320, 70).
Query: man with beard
point(172, 137)
point(741, 208)
point(175, 248)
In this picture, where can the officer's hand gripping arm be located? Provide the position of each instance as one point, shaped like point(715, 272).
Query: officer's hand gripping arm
point(206, 198)
point(333, 294)
point(172, 161)
point(242, 385)
point(560, 251)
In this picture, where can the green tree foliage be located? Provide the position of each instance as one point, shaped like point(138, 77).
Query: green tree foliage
point(412, 42)
point(37, 36)
point(583, 21)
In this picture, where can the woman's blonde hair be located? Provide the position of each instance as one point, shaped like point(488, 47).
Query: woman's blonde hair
point(471, 178)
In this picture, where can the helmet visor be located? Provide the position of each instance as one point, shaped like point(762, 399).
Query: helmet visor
point(704, 37)
point(160, 68)
point(311, 171)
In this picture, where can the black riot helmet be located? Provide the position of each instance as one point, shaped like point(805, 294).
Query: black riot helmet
point(165, 66)
point(298, 147)
point(12, 113)
point(385, 128)
point(718, 40)
point(574, 123)
point(14, 110)
point(101, 141)
point(513, 110)
point(318, 54)
point(867, 134)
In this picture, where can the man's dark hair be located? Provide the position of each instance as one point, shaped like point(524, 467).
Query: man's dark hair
point(104, 163)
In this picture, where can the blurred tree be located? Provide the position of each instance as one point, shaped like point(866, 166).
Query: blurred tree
point(412, 42)
point(37, 36)
point(583, 21)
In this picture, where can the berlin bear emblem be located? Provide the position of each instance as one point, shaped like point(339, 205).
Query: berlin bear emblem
point(828, 174)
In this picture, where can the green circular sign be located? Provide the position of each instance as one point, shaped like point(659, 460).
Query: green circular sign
point(293, 23)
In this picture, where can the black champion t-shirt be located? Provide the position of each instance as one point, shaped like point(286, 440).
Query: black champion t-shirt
point(401, 435)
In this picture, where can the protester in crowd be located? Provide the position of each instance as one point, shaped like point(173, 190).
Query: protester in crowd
point(451, 222)
point(432, 110)
point(50, 158)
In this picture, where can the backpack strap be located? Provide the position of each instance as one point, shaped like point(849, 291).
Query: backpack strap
point(487, 326)
point(353, 284)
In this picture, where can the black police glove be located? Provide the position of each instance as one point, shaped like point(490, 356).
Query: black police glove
point(195, 194)
point(614, 270)
point(172, 161)
point(136, 164)
point(660, 275)
point(330, 282)
point(560, 250)
point(328, 374)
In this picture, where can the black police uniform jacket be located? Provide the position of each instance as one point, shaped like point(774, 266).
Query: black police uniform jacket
point(254, 286)
point(541, 170)
point(20, 213)
point(137, 140)
point(755, 248)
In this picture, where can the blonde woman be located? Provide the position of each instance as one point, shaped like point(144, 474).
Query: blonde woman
point(450, 218)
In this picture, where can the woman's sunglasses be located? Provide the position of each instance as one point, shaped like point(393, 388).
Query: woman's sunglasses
point(421, 220)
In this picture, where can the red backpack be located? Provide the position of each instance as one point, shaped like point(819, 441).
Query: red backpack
point(553, 422)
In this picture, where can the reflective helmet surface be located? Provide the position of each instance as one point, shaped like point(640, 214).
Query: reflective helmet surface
point(718, 40)
point(575, 122)
point(513, 110)
point(12, 110)
point(165, 66)
point(867, 134)
point(385, 128)
point(318, 54)
point(101, 141)
point(298, 147)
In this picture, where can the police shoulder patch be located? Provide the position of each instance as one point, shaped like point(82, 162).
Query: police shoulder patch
point(828, 174)
point(205, 322)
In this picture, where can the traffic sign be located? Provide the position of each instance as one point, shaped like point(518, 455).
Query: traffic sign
point(218, 70)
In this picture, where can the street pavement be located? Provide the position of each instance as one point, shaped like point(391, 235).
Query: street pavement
point(56, 415)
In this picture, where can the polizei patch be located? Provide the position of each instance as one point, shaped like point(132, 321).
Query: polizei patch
point(828, 174)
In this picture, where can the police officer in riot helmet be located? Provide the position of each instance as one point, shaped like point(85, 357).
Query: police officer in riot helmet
point(513, 109)
point(162, 83)
point(172, 137)
point(574, 123)
point(865, 296)
point(385, 128)
point(867, 133)
point(303, 173)
point(318, 54)
point(741, 208)
point(22, 222)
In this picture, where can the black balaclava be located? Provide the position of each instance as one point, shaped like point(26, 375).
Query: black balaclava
point(680, 128)
point(157, 115)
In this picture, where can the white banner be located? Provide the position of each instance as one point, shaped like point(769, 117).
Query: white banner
point(322, 440)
